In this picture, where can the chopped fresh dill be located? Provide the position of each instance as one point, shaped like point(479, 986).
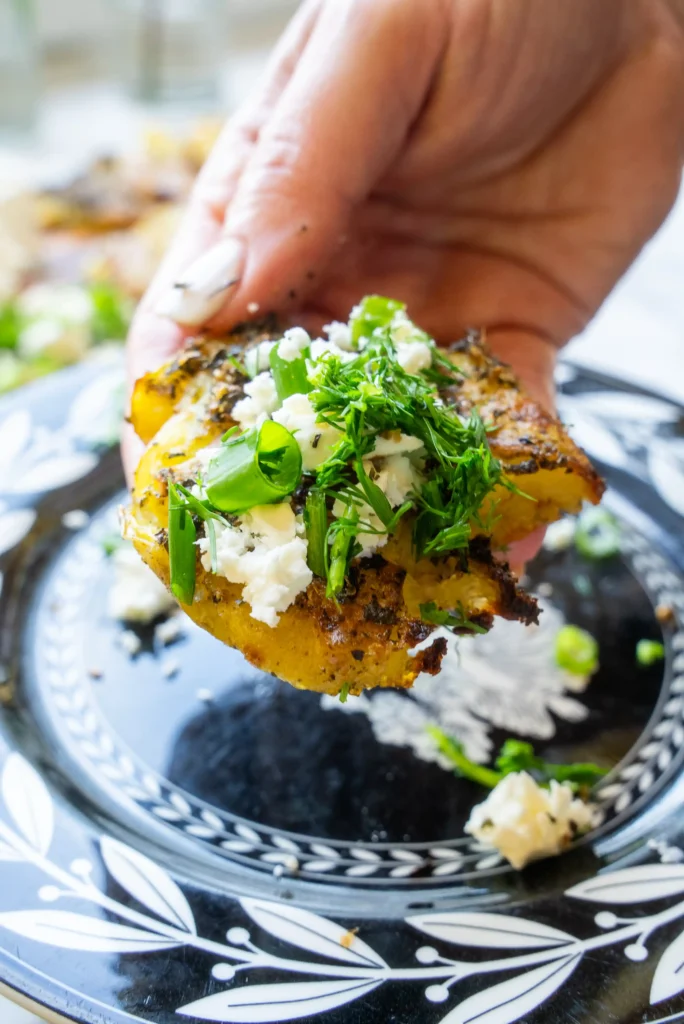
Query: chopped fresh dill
point(344, 692)
point(374, 393)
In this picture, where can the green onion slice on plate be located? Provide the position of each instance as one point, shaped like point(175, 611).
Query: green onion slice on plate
point(257, 468)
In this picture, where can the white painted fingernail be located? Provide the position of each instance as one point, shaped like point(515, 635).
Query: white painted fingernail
point(204, 287)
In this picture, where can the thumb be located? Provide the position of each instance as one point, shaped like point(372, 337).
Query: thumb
point(335, 130)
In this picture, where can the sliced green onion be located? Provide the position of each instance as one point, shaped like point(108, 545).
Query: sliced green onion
point(454, 619)
point(289, 375)
point(372, 313)
point(576, 651)
point(597, 534)
point(344, 692)
point(648, 652)
point(208, 516)
point(341, 550)
point(462, 764)
point(182, 550)
point(316, 522)
point(375, 496)
point(257, 468)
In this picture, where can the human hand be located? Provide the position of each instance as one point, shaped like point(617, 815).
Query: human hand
point(492, 164)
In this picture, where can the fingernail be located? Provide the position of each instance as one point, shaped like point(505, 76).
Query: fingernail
point(204, 287)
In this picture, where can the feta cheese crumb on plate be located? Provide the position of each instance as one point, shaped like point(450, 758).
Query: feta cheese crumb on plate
point(525, 821)
point(136, 595)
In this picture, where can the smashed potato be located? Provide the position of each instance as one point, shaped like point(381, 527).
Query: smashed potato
point(393, 594)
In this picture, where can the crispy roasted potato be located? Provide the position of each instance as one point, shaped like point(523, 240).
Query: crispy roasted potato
point(364, 639)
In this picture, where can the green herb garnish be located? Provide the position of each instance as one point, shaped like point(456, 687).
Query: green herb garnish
point(11, 323)
point(182, 551)
point(112, 312)
point(372, 395)
point(597, 534)
point(373, 313)
point(316, 523)
point(289, 375)
point(515, 756)
point(452, 619)
point(648, 652)
point(344, 693)
point(259, 467)
point(576, 651)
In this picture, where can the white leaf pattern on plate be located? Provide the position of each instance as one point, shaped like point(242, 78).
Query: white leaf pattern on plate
point(28, 802)
point(309, 931)
point(489, 930)
point(668, 979)
point(511, 1000)
point(259, 1004)
point(51, 473)
point(14, 526)
point(632, 885)
point(148, 883)
point(76, 931)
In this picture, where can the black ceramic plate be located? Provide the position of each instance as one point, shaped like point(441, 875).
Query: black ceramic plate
point(185, 838)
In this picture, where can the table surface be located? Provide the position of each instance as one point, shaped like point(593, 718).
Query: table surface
point(638, 334)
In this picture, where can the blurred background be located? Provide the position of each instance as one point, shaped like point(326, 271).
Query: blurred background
point(108, 108)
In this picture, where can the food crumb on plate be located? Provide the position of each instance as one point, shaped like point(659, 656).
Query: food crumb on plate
point(130, 642)
point(75, 519)
point(348, 938)
point(168, 631)
point(170, 667)
point(205, 695)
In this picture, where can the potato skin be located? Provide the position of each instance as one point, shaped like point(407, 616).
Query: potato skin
point(363, 640)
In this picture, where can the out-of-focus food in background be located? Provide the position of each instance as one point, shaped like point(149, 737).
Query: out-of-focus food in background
point(75, 257)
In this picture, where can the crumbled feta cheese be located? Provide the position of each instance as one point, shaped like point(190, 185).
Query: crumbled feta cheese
point(397, 478)
point(560, 535)
point(320, 349)
point(524, 821)
point(414, 356)
point(261, 401)
point(403, 329)
point(136, 594)
point(168, 631)
point(396, 444)
point(339, 335)
point(75, 519)
point(316, 440)
point(170, 667)
point(130, 642)
point(258, 358)
point(293, 343)
point(266, 552)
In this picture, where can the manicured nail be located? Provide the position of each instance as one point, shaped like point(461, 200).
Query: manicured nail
point(204, 287)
